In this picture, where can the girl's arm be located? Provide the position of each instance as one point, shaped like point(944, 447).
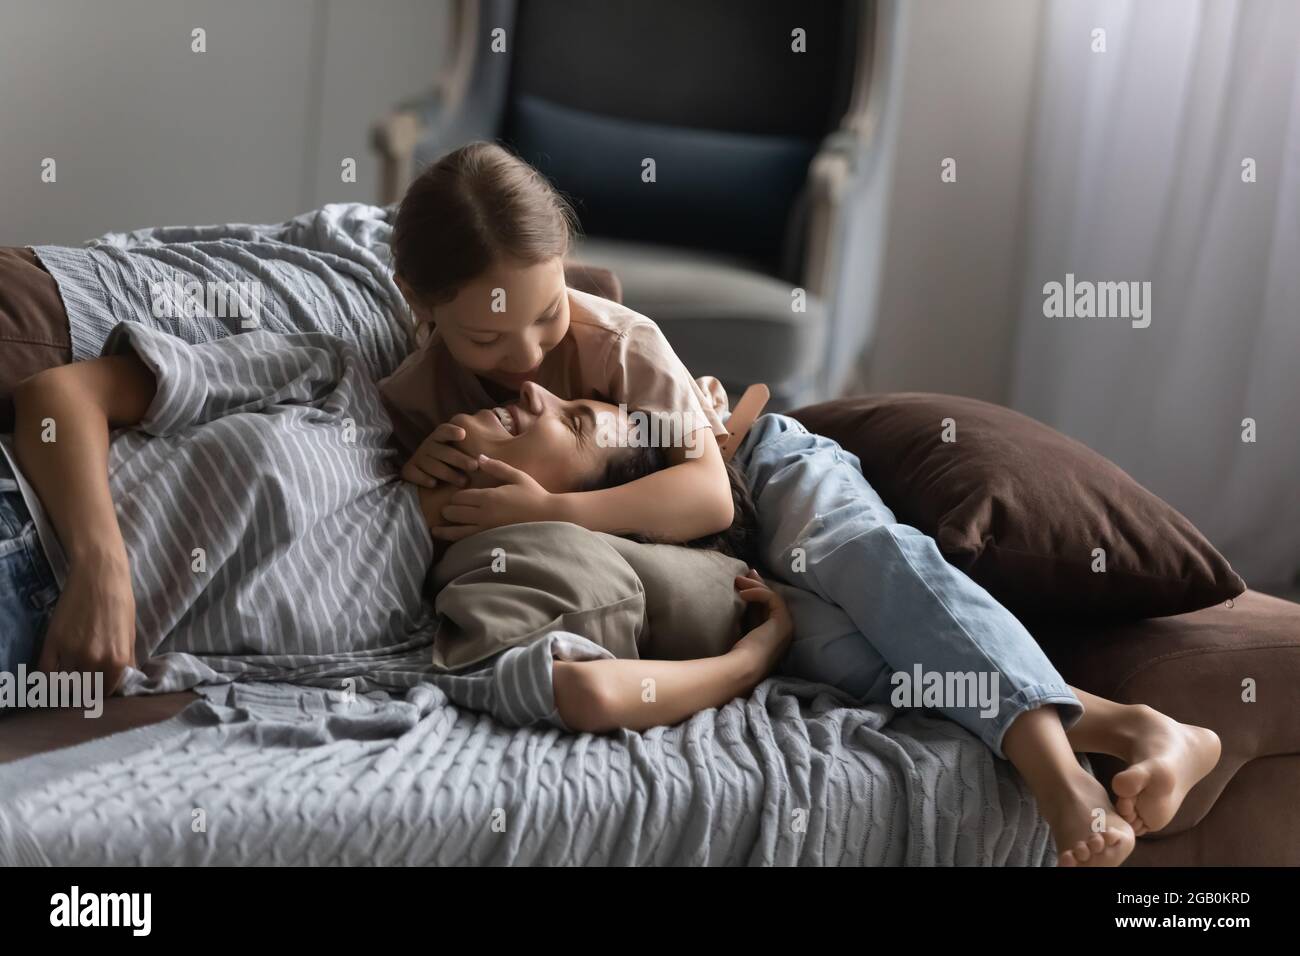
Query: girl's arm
point(62, 420)
point(692, 497)
point(689, 499)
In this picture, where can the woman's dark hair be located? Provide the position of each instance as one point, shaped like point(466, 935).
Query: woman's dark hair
point(475, 206)
point(740, 541)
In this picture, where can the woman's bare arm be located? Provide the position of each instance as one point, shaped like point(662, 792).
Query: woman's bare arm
point(603, 695)
point(599, 696)
point(62, 420)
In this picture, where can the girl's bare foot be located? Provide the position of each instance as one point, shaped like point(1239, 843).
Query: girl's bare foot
point(1167, 760)
point(1075, 813)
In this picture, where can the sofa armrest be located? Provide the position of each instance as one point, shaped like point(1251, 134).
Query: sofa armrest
point(1233, 667)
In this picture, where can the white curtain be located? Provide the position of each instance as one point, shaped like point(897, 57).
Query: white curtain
point(1136, 174)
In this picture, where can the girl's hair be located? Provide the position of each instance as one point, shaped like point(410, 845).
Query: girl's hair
point(740, 541)
point(475, 206)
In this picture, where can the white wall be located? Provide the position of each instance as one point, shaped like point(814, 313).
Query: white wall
point(950, 294)
point(377, 53)
point(146, 132)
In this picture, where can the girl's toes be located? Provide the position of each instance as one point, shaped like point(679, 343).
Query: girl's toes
point(1126, 807)
point(1067, 859)
point(1096, 843)
point(1081, 852)
point(1130, 781)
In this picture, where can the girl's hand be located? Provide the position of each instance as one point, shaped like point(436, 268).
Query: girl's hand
point(435, 460)
point(517, 499)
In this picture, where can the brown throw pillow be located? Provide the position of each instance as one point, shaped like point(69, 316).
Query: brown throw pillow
point(1020, 508)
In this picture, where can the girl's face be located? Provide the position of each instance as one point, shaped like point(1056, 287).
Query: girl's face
point(503, 323)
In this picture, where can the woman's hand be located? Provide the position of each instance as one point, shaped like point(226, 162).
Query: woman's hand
point(517, 499)
point(436, 461)
point(766, 643)
point(92, 627)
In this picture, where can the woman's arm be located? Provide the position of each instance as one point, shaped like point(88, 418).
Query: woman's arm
point(62, 420)
point(596, 697)
point(604, 695)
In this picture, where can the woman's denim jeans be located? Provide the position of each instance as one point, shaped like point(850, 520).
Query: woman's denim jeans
point(27, 587)
point(874, 603)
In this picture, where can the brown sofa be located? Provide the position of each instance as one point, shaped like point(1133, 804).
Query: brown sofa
point(1193, 667)
point(1190, 666)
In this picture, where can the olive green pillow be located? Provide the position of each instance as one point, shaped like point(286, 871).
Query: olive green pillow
point(509, 586)
point(692, 609)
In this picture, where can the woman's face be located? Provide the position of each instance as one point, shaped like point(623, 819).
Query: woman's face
point(562, 444)
point(503, 323)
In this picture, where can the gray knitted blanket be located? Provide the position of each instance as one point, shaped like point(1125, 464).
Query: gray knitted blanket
point(279, 774)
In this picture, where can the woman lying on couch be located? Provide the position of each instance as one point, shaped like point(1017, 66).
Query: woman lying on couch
point(871, 599)
point(253, 500)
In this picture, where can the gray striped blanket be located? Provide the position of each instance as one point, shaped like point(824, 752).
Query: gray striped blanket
point(326, 270)
point(270, 536)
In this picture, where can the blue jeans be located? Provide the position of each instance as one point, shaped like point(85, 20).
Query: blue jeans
point(28, 590)
point(875, 605)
